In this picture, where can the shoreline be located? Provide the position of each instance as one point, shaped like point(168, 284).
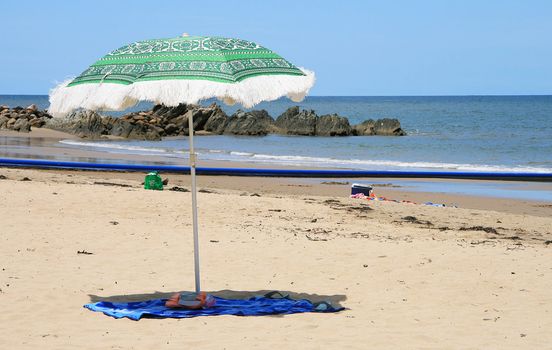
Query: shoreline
point(45, 143)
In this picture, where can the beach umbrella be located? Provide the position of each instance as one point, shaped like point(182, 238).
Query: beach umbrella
point(185, 69)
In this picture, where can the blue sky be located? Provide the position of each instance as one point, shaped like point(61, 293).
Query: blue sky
point(419, 47)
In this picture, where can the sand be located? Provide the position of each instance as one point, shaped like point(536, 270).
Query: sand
point(410, 276)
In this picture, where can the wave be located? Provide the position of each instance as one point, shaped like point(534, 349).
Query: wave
point(290, 160)
point(244, 154)
point(388, 164)
point(113, 146)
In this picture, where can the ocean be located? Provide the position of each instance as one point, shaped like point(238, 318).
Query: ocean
point(448, 133)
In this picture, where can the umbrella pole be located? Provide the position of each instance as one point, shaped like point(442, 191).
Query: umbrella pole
point(194, 201)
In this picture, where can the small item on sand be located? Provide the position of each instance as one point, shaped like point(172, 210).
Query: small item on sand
point(178, 189)
point(434, 204)
point(373, 197)
point(84, 252)
point(107, 183)
point(191, 301)
point(153, 181)
point(359, 188)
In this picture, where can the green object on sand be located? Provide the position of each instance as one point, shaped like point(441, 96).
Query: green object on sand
point(153, 181)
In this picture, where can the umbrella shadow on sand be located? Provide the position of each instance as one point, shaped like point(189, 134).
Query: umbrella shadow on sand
point(335, 300)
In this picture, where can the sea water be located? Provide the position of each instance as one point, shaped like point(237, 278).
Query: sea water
point(452, 133)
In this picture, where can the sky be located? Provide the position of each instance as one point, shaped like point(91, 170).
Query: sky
point(356, 48)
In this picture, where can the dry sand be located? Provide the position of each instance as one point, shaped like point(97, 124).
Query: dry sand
point(410, 276)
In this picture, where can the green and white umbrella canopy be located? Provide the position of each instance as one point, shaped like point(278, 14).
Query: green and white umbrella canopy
point(185, 69)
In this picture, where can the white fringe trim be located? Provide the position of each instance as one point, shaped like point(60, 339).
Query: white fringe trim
point(116, 97)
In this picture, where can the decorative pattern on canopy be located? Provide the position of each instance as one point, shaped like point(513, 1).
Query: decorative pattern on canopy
point(207, 58)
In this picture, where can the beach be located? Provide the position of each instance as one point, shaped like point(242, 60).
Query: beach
point(433, 263)
point(409, 275)
point(250, 177)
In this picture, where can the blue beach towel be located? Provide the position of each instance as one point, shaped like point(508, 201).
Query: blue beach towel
point(256, 306)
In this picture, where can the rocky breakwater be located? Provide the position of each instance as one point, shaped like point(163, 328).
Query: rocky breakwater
point(164, 121)
point(22, 119)
point(306, 122)
point(159, 122)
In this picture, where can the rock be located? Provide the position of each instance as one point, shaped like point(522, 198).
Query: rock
point(170, 129)
point(121, 128)
point(37, 122)
point(61, 123)
point(3, 121)
point(383, 127)
point(217, 121)
point(156, 108)
point(158, 129)
point(32, 108)
point(388, 127)
point(83, 123)
point(295, 122)
point(202, 115)
point(197, 118)
point(124, 128)
point(250, 123)
point(169, 113)
point(21, 114)
point(333, 125)
point(108, 122)
point(154, 121)
point(366, 128)
point(87, 124)
point(22, 125)
point(10, 123)
point(181, 123)
point(199, 115)
point(152, 135)
point(127, 117)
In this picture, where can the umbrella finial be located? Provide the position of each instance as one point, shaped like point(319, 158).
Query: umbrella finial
point(185, 35)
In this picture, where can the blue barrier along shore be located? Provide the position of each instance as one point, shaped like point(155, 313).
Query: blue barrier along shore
point(319, 173)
